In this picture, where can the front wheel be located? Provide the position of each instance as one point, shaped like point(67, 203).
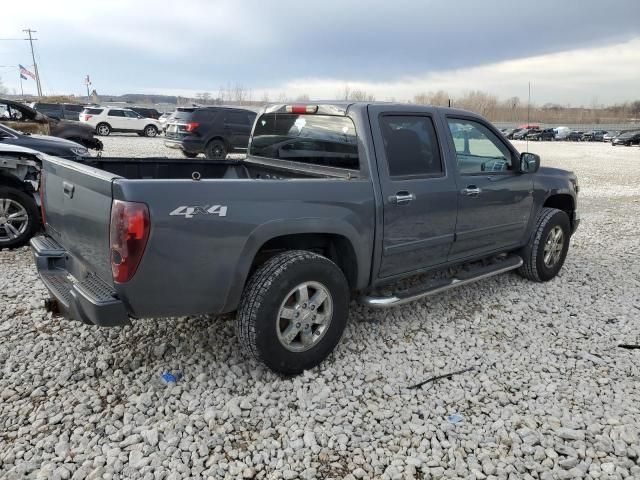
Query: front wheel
point(293, 311)
point(150, 131)
point(547, 249)
point(19, 218)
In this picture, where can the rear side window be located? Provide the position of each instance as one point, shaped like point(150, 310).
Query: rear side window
point(116, 113)
point(240, 118)
point(411, 145)
point(204, 115)
point(92, 111)
point(73, 108)
point(312, 139)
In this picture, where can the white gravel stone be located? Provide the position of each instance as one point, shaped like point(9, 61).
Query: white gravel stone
point(550, 396)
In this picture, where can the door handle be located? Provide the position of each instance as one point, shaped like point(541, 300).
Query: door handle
point(402, 198)
point(471, 191)
point(68, 188)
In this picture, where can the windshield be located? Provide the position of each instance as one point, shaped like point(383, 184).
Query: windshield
point(314, 139)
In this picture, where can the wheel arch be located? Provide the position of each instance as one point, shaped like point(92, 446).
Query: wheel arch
point(336, 242)
point(564, 202)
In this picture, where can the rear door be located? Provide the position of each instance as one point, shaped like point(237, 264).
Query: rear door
point(77, 206)
point(419, 193)
point(237, 127)
point(494, 201)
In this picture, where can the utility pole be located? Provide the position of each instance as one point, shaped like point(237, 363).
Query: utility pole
point(35, 65)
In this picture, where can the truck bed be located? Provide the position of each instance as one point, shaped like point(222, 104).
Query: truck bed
point(207, 221)
point(176, 168)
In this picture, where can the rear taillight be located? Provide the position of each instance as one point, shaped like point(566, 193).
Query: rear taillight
point(41, 192)
point(87, 117)
point(191, 126)
point(128, 236)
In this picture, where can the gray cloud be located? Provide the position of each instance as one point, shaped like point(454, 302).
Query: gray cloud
point(200, 45)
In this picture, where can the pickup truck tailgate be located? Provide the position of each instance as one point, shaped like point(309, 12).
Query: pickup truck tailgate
point(77, 206)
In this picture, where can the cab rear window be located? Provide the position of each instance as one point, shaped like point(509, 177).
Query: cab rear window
point(312, 139)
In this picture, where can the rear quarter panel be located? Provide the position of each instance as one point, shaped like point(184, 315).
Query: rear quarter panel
point(200, 264)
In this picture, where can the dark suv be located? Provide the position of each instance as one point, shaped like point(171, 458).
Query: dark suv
point(61, 111)
point(146, 112)
point(214, 131)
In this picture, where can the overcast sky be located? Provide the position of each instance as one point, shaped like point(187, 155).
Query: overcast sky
point(574, 52)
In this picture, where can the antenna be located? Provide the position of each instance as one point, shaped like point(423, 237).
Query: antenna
point(528, 115)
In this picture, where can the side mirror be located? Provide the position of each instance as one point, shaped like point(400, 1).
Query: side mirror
point(529, 162)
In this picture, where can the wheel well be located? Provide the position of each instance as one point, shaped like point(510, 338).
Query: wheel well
point(10, 181)
point(151, 125)
point(222, 139)
point(336, 248)
point(562, 202)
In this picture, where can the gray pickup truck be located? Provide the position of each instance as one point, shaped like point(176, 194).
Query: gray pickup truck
point(334, 202)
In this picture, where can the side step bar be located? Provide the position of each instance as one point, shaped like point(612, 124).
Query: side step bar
point(401, 297)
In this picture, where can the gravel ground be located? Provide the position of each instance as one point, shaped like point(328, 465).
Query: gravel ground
point(549, 393)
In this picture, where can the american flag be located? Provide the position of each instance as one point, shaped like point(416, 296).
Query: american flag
point(24, 71)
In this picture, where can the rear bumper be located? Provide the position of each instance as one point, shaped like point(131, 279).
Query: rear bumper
point(79, 294)
point(187, 143)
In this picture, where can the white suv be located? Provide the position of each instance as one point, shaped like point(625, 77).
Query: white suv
point(110, 119)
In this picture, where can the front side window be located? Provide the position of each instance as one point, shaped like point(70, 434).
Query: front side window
point(478, 149)
point(116, 113)
point(313, 139)
point(130, 114)
point(411, 146)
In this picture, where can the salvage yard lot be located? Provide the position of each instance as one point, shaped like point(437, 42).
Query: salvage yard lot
point(549, 394)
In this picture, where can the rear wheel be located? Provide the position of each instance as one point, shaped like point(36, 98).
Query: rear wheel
point(547, 249)
point(19, 217)
point(216, 150)
point(103, 129)
point(293, 311)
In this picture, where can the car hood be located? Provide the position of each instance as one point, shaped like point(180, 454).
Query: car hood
point(557, 172)
point(47, 139)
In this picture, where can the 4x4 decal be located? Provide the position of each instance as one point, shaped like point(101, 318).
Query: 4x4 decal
point(189, 212)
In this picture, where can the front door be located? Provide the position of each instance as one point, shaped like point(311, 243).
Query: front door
point(419, 194)
point(117, 119)
point(494, 201)
point(135, 121)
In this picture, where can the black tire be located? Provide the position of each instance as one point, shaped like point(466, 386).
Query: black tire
point(189, 154)
point(535, 268)
point(150, 131)
point(32, 225)
point(257, 323)
point(103, 129)
point(215, 150)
